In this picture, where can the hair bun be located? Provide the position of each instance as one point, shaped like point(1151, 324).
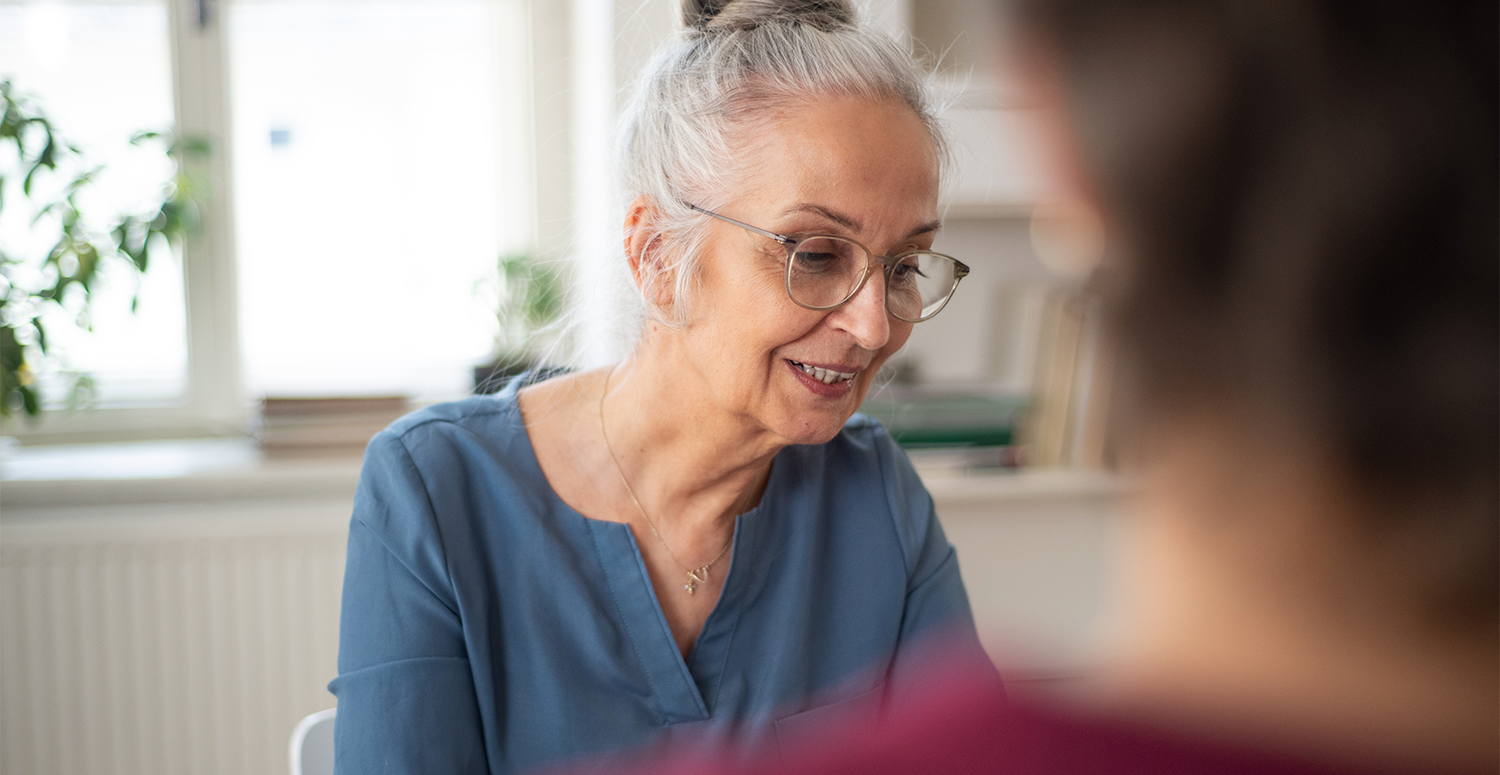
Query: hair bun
point(732, 15)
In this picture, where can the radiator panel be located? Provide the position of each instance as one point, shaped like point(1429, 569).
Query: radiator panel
point(176, 642)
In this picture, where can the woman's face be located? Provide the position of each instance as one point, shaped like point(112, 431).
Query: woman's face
point(842, 166)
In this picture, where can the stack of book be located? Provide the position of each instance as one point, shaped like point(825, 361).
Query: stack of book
point(326, 425)
point(951, 429)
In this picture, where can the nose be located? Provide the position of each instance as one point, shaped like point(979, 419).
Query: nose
point(864, 316)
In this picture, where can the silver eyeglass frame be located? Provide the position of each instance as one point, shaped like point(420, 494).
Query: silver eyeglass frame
point(791, 241)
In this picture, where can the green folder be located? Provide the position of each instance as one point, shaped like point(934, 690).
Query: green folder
point(948, 419)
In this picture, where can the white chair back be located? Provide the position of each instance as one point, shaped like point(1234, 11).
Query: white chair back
point(312, 744)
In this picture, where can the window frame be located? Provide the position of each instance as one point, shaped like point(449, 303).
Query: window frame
point(213, 403)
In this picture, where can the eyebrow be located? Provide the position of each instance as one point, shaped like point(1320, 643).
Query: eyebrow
point(850, 223)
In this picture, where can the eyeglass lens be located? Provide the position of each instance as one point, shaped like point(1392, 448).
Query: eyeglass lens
point(825, 271)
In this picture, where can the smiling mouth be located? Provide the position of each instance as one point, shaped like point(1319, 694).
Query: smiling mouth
point(826, 376)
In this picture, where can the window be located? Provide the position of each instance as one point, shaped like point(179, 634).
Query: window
point(377, 163)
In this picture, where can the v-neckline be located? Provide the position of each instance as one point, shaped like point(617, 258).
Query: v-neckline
point(683, 693)
point(685, 687)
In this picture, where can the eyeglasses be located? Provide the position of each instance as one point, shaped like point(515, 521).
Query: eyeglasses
point(824, 272)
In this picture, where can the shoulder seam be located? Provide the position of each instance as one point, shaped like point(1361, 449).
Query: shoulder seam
point(380, 538)
point(432, 512)
point(436, 525)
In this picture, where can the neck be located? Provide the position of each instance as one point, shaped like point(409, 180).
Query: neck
point(1257, 619)
point(690, 463)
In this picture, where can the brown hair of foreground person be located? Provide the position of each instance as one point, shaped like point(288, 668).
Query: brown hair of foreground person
point(1302, 280)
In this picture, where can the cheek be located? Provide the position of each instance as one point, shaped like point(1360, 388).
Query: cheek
point(900, 332)
point(774, 320)
point(750, 332)
point(746, 297)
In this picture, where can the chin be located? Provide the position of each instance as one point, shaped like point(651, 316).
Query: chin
point(805, 419)
point(818, 429)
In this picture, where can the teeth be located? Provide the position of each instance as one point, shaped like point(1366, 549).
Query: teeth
point(826, 376)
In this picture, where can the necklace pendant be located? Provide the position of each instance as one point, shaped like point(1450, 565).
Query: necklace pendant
point(694, 580)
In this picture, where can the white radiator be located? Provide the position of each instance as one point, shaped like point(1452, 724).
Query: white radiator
point(178, 639)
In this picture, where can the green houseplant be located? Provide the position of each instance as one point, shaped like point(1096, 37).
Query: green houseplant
point(50, 177)
point(529, 300)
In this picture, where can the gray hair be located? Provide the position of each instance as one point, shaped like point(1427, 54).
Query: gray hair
point(701, 96)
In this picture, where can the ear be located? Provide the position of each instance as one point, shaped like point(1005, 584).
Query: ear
point(643, 245)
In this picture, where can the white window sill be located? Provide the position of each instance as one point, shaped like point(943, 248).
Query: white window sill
point(975, 488)
point(198, 470)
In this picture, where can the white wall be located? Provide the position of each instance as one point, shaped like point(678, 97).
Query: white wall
point(1035, 550)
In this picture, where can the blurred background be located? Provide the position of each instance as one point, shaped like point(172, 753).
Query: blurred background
point(388, 203)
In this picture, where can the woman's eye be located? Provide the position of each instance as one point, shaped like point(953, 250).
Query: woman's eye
point(817, 262)
point(907, 272)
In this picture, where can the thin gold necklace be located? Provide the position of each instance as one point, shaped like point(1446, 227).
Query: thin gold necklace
point(695, 576)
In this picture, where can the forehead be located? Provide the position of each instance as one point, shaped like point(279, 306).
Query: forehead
point(875, 158)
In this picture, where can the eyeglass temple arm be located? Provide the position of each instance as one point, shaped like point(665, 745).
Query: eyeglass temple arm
point(782, 238)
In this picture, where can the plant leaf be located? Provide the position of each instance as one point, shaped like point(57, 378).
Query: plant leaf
point(29, 400)
point(42, 213)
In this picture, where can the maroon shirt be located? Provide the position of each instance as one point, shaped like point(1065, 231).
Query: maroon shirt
point(967, 726)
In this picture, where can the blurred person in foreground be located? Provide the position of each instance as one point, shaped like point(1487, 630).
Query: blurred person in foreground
point(1301, 285)
point(701, 543)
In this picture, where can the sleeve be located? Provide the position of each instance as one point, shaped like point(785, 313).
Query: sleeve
point(937, 626)
point(406, 697)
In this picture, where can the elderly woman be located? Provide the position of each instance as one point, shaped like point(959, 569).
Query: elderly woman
point(702, 541)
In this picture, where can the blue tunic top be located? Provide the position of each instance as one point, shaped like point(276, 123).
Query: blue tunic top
point(489, 627)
